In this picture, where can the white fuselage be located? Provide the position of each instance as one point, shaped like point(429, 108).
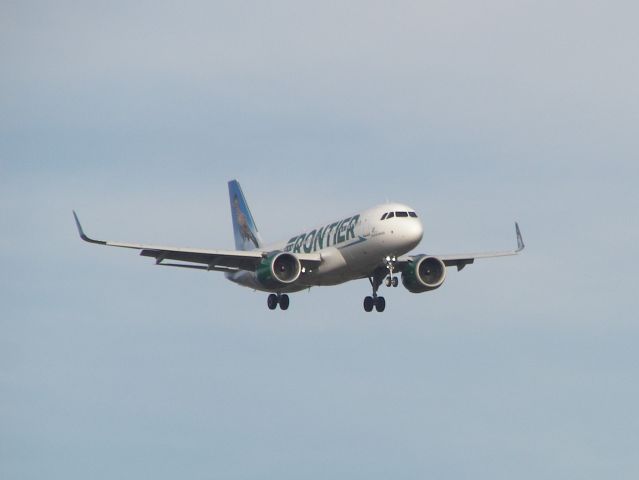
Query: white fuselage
point(350, 248)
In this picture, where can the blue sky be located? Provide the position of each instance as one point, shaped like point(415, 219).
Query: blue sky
point(476, 114)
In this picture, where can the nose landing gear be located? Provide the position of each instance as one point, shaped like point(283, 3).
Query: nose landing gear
point(391, 279)
point(273, 300)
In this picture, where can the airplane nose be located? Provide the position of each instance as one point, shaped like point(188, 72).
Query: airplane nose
point(418, 231)
point(413, 233)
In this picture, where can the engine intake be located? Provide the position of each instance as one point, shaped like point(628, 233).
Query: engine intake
point(423, 274)
point(278, 269)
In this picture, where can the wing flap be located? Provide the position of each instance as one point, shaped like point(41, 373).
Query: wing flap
point(212, 258)
point(199, 267)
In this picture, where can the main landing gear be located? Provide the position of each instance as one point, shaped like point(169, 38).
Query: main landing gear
point(382, 274)
point(273, 300)
point(370, 302)
point(378, 302)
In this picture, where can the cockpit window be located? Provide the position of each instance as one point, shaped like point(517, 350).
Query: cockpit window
point(388, 215)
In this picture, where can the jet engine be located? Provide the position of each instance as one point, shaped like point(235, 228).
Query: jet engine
point(424, 273)
point(278, 269)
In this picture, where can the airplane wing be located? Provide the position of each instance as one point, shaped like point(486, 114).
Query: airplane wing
point(460, 260)
point(217, 260)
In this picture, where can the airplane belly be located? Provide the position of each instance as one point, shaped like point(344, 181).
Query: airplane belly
point(248, 279)
point(341, 265)
point(330, 270)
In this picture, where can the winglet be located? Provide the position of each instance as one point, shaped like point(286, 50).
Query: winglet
point(82, 234)
point(520, 240)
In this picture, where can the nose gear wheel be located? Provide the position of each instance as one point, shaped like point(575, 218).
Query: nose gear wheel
point(391, 279)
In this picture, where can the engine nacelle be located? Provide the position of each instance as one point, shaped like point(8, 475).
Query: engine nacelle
point(423, 274)
point(278, 269)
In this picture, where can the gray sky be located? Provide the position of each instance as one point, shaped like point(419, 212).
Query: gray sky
point(474, 113)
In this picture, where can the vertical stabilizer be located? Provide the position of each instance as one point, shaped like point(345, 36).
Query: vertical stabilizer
point(244, 229)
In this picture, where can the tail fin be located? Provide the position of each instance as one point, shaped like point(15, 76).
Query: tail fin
point(244, 229)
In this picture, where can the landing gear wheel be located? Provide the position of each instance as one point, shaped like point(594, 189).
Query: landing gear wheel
point(368, 304)
point(380, 304)
point(395, 281)
point(271, 301)
point(388, 281)
point(284, 302)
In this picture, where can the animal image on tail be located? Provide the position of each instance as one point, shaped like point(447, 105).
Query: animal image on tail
point(244, 229)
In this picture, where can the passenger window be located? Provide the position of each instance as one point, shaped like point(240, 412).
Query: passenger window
point(401, 214)
point(383, 216)
point(412, 214)
point(390, 215)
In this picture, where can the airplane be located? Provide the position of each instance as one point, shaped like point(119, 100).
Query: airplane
point(372, 244)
